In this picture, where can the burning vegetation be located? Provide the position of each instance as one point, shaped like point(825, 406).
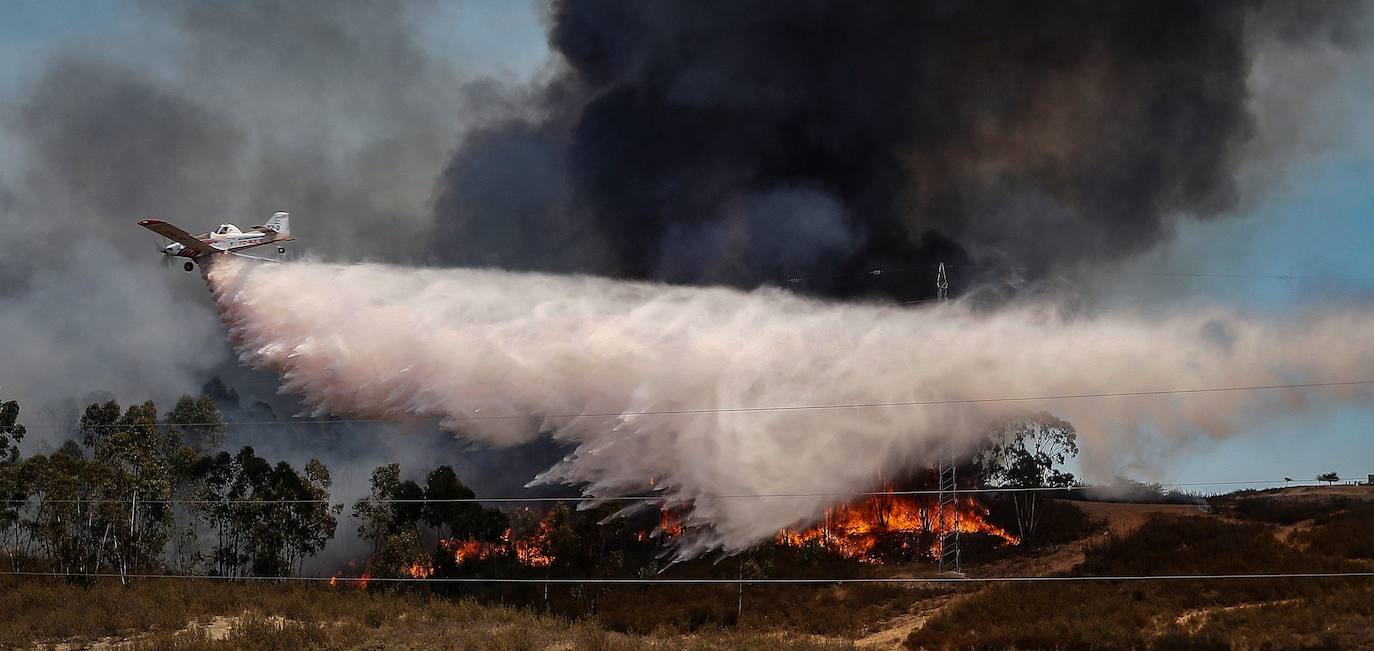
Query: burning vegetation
point(890, 527)
point(886, 528)
point(440, 529)
point(532, 550)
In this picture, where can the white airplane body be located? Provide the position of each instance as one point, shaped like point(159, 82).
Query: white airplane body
point(226, 239)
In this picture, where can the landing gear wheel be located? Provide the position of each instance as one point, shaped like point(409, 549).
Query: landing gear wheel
point(189, 266)
point(281, 249)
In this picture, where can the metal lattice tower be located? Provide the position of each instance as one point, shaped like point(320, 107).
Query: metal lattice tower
point(947, 542)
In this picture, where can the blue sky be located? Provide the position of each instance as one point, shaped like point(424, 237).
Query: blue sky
point(1322, 226)
point(1314, 223)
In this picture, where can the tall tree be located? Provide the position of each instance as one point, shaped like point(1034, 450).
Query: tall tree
point(1028, 452)
point(97, 422)
point(11, 432)
point(13, 490)
point(374, 512)
point(307, 517)
point(214, 492)
point(67, 521)
point(407, 507)
point(199, 423)
point(454, 519)
point(141, 462)
point(267, 518)
point(201, 427)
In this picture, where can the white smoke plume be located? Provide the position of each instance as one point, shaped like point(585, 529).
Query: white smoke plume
point(499, 357)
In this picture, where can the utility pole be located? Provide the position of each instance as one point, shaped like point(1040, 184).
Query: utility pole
point(947, 501)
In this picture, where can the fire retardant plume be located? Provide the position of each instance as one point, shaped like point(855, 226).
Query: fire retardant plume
point(655, 386)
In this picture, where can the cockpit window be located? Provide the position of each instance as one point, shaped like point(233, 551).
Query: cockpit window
point(223, 229)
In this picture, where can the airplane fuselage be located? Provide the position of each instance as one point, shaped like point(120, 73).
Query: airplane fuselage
point(227, 238)
point(234, 242)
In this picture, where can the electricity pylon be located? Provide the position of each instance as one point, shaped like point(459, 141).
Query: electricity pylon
point(947, 502)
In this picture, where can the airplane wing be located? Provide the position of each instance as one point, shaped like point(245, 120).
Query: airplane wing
point(177, 235)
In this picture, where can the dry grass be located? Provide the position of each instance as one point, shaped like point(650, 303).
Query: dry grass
point(161, 615)
point(1240, 614)
point(519, 632)
point(1277, 614)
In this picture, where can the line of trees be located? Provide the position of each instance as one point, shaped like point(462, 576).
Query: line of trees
point(137, 491)
point(134, 492)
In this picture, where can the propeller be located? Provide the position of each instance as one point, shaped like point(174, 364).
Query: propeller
point(161, 249)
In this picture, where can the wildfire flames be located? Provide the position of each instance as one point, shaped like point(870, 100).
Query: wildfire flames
point(420, 570)
point(855, 530)
point(668, 527)
point(359, 581)
point(874, 530)
point(531, 550)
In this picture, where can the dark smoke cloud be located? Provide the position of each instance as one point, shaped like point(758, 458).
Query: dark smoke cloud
point(755, 142)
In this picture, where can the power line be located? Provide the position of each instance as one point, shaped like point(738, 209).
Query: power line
point(1242, 276)
point(803, 407)
point(880, 272)
point(653, 498)
point(724, 581)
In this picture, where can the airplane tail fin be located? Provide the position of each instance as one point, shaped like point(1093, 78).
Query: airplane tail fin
point(279, 223)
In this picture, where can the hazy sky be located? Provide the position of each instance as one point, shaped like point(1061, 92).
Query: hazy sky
point(1310, 220)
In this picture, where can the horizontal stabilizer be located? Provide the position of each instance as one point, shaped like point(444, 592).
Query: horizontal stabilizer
point(280, 223)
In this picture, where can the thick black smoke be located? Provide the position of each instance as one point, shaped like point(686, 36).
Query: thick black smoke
point(765, 141)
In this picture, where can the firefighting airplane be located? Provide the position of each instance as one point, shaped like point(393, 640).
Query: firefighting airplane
point(227, 239)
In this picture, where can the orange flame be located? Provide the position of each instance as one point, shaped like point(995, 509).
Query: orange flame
point(531, 550)
point(853, 530)
point(420, 570)
point(668, 527)
point(668, 524)
point(361, 580)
